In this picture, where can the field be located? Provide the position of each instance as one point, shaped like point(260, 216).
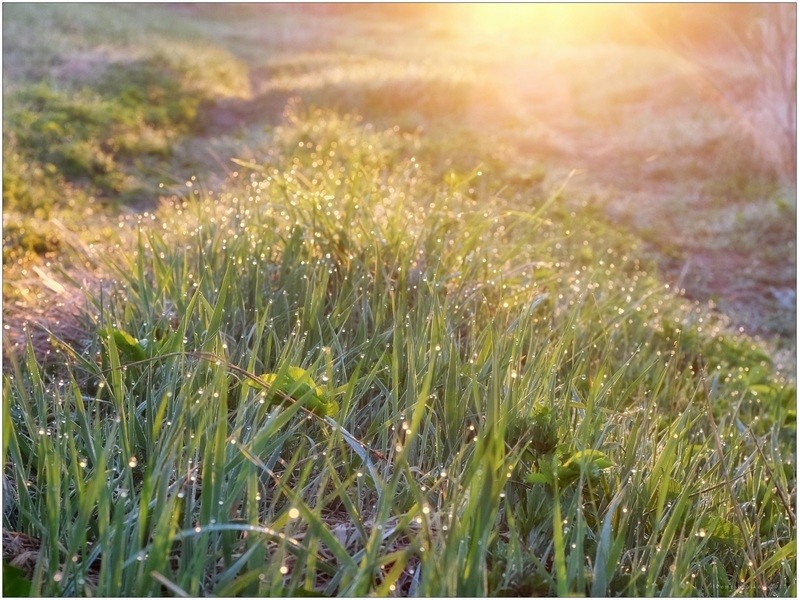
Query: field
point(435, 300)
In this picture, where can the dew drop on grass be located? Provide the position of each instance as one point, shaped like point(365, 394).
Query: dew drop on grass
point(294, 513)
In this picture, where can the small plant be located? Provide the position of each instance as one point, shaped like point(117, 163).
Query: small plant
point(543, 431)
point(585, 464)
point(296, 384)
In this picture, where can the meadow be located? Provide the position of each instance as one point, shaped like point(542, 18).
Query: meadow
point(354, 301)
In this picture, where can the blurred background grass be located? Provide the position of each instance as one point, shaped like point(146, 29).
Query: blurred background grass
point(679, 120)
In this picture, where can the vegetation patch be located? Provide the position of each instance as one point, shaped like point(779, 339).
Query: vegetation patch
point(98, 137)
point(100, 133)
point(383, 354)
point(495, 391)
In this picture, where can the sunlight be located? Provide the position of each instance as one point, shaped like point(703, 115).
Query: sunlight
point(544, 22)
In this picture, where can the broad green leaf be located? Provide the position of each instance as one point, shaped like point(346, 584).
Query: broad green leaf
point(723, 531)
point(594, 458)
point(15, 584)
point(536, 478)
point(129, 347)
point(297, 384)
point(586, 462)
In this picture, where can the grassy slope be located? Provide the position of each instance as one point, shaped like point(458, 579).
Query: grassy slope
point(93, 109)
point(480, 349)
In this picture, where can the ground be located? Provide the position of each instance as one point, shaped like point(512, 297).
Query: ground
point(571, 230)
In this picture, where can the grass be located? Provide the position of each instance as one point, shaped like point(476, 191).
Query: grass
point(92, 113)
point(497, 389)
point(388, 350)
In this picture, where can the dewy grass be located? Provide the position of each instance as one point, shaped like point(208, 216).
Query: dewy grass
point(470, 349)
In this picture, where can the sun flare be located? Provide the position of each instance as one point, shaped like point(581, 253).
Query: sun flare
point(545, 22)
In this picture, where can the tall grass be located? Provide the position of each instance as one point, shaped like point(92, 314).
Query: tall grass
point(521, 407)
